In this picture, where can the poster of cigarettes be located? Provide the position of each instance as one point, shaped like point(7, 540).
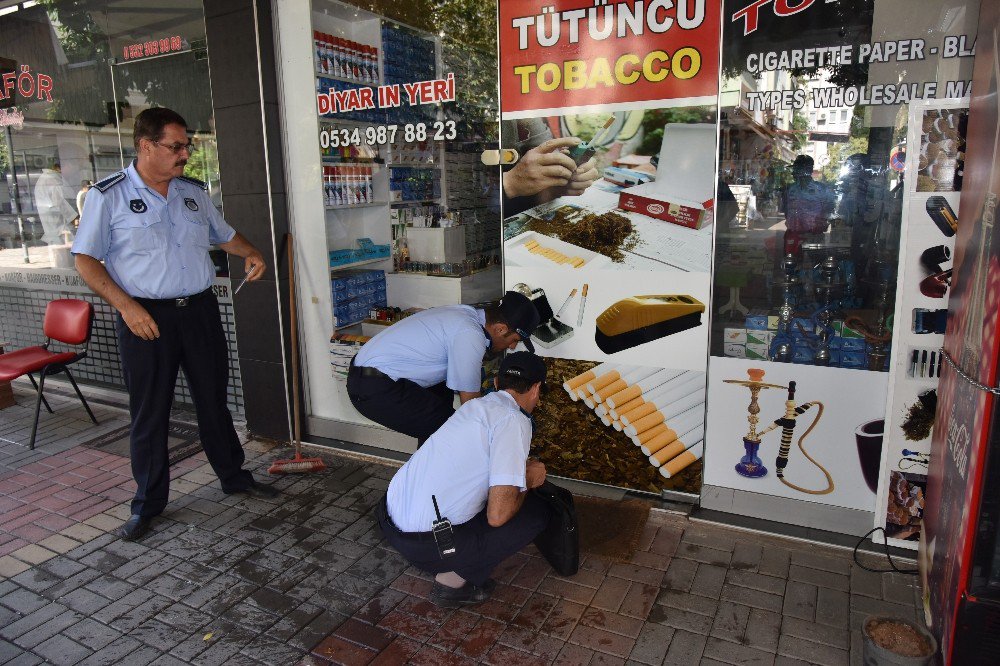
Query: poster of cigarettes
point(608, 213)
point(927, 240)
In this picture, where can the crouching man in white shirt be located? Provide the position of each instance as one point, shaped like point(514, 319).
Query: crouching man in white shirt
point(476, 469)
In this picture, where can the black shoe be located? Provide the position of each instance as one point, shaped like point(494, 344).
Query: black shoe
point(258, 490)
point(134, 528)
point(455, 597)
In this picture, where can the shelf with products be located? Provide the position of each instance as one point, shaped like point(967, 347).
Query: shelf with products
point(344, 79)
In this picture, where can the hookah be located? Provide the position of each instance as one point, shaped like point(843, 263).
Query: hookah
point(879, 336)
point(828, 290)
point(750, 465)
point(781, 346)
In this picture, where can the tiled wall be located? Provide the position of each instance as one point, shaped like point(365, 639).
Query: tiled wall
point(22, 311)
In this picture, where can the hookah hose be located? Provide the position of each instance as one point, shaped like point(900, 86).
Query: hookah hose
point(787, 424)
point(866, 331)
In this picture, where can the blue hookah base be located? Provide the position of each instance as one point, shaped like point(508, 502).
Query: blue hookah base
point(751, 465)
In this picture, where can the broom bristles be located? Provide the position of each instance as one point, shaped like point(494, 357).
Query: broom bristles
point(296, 466)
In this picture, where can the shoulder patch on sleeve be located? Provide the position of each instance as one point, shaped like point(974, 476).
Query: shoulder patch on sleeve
point(109, 182)
point(194, 181)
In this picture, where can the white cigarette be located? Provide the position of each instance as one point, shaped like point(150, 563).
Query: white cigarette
point(679, 463)
point(667, 393)
point(675, 430)
point(665, 412)
point(681, 444)
point(571, 385)
point(641, 386)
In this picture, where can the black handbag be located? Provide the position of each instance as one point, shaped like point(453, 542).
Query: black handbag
point(559, 542)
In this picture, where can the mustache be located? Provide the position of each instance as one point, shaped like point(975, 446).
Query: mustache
point(181, 163)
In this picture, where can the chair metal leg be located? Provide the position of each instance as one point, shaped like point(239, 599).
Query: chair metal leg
point(80, 395)
point(44, 401)
point(38, 408)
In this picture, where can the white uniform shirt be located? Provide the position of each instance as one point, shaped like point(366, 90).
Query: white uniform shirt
point(442, 344)
point(153, 247)
point(484, 444)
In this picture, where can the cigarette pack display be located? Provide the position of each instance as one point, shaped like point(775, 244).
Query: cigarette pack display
point(735, 335)
point(756, 321)
point(355, 293)
point(733, 350)
point(684, 188)
point(757, 351)
point(759, 337)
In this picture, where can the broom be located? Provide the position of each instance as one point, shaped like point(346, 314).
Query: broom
point(298, 464)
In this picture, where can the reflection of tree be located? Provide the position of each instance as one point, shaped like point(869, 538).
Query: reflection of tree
point(654, 121)
point(822, 24)
point(838, 154)
point(87, 91)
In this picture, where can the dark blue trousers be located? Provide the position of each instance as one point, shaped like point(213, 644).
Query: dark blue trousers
point(403, 406)
point(191, 337)
point(479, 548)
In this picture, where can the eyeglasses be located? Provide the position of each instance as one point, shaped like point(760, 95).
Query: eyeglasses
point(176, 148)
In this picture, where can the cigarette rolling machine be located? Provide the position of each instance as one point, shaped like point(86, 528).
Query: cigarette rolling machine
point(638, 319)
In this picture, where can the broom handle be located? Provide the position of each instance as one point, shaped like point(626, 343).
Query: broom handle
point(295, 348)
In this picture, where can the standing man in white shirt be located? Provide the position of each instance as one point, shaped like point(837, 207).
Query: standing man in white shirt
point(473, 472)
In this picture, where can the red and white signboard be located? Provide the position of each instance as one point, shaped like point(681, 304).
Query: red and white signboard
point(571, 54)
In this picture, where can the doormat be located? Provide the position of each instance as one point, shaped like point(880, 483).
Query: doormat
point(182, 442)
point(610, 528)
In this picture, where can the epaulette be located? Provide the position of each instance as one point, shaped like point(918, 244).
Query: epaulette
point(194, 181)
point(109, 182)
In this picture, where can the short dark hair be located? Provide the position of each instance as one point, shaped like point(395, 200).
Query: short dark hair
point(150, 123)
point(494, 315)
point(516, 384)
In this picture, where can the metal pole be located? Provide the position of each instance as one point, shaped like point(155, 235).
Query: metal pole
point(15, 194)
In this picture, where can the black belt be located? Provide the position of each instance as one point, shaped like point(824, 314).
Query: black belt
point(383, 510)
point(370, 372)
point(176, 302)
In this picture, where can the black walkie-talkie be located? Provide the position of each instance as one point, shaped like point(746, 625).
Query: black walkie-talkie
point(444, 536)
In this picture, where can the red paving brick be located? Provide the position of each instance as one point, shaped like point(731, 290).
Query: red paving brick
point(563, 618)
point(364, 634)
point(611, 594)
point(408, 625)
point(619, 624)
point(501, 655)
point(339, 651)
point(639, 600)
point(532, 615)
point(481, 639)
point(573, 655)
point(418, 587)
point(454, 631)
point(431, 656)
point(397, 654)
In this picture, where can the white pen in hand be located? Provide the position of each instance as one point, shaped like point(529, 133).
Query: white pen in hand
point(253, 269)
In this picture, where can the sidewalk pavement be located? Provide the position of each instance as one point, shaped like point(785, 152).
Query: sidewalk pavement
point(308, 580)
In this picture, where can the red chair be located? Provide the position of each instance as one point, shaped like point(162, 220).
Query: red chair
point(67, 320)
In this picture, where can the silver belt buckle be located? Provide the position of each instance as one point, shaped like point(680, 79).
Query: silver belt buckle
point(182, 302)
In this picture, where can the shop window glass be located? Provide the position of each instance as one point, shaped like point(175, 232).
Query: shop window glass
point(824, 325)
point(406, 214)
point(93, 66)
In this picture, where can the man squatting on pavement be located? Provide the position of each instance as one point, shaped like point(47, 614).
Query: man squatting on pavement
point(152, 228)
point(476, 469)
point(405, 378)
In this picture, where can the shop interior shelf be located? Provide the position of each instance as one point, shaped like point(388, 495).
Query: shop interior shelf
point(360, 84)
point(360, 205)
point(355, 264)
point(409, 202)
point(412, 165)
